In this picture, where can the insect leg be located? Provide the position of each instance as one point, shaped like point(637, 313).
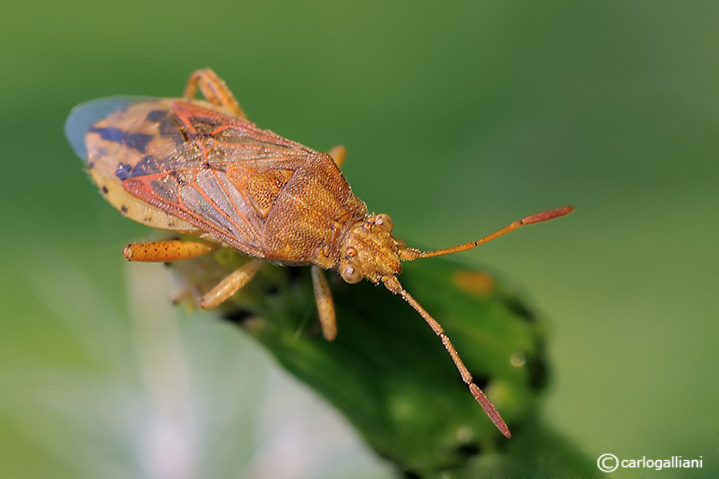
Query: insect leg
point(393, 284)
point(230, 285)
point(214, 89)
point(165, 251)
point(325, 305)
point(338, 153)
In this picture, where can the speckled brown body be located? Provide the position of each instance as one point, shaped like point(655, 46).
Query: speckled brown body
point(202, 168)
point(189, 166)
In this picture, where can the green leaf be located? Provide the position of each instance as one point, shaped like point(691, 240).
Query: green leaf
point(391, 377)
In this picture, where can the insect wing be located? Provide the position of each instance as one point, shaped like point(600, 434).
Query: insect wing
point(83, 116)
point(223, 177)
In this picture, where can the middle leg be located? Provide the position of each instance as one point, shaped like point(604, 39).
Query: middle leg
point(230, 285)
point(325, 305)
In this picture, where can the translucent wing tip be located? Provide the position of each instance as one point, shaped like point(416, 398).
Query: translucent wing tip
point(83, 116)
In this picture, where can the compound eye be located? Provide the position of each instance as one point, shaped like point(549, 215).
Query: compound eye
point(351, 275)
point(384, 221)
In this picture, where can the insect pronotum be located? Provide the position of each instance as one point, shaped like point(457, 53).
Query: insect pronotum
point(200, 167)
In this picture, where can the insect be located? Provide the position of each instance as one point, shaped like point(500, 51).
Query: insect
point(201, 168)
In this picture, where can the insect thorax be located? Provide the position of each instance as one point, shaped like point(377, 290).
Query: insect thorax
point(312, 216)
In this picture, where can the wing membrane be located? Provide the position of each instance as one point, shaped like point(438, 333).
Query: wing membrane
point(191, 180)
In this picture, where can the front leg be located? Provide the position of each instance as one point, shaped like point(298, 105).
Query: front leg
point(175, 250)
point(214, 90)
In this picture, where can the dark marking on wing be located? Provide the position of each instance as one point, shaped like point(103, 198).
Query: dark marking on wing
point(136, 141)
point(216, 165)
point(166, 188)
point(205, 125)
point(123, 171)
point(179, 175)
point(147, 166)
point(230, 135)
point(157, 115)
point(168, 126)
point(114, 135)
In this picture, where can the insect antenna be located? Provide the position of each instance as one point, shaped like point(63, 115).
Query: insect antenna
point(409, 254)
point(393, 284)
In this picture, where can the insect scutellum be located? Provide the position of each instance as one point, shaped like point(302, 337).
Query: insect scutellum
point(202, 168)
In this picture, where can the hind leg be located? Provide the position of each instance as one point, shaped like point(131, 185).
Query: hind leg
point(214, 90)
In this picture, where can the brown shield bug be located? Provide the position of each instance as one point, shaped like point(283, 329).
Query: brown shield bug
point(200, 167)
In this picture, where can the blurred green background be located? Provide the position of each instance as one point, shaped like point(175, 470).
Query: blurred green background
point(459, 117)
